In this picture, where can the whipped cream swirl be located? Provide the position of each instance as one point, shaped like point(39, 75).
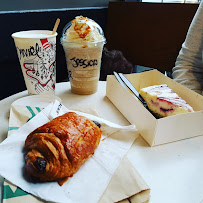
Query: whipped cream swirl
point(83, 29)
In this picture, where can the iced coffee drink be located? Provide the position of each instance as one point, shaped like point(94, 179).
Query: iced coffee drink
point(83, 42)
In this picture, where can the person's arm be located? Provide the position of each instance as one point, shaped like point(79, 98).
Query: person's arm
point(188, 69)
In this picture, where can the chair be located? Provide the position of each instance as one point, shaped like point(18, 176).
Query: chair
point(149, 34)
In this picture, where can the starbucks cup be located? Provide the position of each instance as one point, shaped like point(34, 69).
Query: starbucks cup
point(83, 61)
point(36, 51)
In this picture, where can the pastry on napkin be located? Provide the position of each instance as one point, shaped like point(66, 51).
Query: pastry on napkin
point(116, 137)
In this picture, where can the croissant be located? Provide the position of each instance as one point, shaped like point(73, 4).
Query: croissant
point(56, 150)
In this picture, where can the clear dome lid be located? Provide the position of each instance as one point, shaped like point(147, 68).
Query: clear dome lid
point(87, 31)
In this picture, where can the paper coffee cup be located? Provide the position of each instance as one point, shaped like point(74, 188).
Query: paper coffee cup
point(36, 51)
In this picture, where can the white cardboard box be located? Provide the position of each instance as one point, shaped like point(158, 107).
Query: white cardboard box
point(163, 130)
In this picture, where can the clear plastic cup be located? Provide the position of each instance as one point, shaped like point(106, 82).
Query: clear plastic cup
point(36, 51)
point(83, 61)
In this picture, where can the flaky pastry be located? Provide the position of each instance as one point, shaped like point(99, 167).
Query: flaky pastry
point(56, 150)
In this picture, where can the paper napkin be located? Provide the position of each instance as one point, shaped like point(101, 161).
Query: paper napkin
point(89, 183)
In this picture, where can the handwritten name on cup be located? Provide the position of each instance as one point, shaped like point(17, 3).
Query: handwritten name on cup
point(84, 63)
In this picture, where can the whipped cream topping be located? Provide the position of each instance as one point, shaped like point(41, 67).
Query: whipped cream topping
point(84, 30)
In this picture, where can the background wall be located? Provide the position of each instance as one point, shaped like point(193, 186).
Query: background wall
point(19, 5)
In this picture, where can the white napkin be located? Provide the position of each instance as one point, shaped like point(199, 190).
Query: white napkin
point(89, 183)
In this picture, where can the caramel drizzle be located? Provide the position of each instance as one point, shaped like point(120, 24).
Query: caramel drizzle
point(77, 28)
